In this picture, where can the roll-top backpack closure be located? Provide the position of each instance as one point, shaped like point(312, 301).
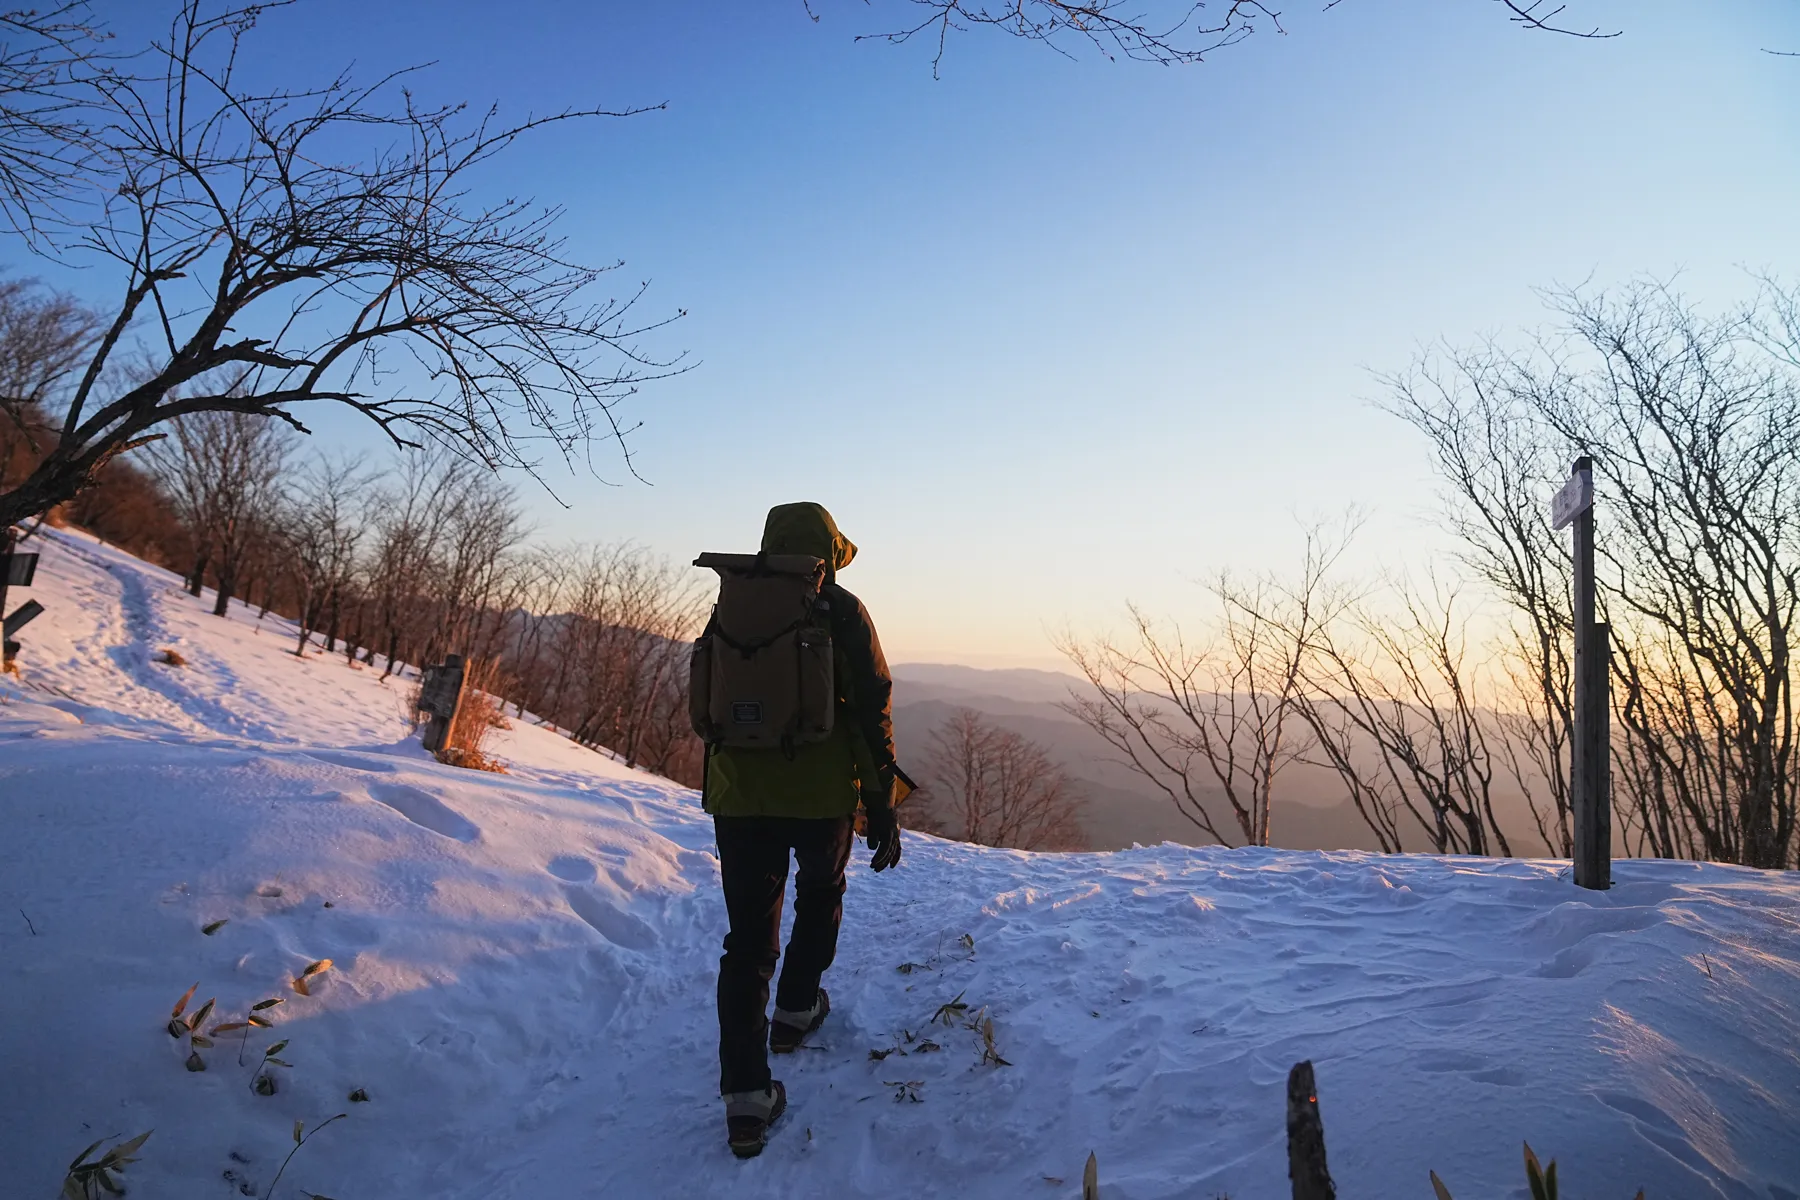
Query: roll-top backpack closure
point(762, 673)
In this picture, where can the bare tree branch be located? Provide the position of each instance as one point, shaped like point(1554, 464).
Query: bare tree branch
point(1534, 16)
point(390, 285)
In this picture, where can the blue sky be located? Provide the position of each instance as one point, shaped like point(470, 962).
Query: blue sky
point(1048, 335)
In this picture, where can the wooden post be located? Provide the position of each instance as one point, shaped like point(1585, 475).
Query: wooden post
point(440, 695)
point(1591, 759)
point(9, 649)
point(1306, 1138)
point(1590, 747)
point(1590, 741)
point(16, 570)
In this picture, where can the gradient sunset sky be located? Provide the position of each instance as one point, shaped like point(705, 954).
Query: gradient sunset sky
point(1047, 335)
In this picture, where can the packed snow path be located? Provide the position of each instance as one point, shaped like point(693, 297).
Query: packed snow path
point(524, 965)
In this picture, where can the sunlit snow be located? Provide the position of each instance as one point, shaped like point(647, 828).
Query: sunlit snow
point(523, 972)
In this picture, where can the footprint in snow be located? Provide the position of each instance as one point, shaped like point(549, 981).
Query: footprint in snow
point(355, 762)
point(614, 924)
point(423, 809)
point(572, 867)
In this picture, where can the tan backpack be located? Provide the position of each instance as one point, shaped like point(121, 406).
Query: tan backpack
point(761, 675)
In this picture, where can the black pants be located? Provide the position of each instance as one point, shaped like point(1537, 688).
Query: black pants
point(753, 859)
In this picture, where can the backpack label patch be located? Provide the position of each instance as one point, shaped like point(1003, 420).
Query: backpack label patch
point(746, 713)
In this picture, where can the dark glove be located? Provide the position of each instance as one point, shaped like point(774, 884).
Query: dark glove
point(883, 837)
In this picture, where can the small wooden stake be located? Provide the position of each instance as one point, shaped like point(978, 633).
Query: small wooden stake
point(1306, 1138)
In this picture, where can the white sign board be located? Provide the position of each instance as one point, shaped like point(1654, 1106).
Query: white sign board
point(1575, 498)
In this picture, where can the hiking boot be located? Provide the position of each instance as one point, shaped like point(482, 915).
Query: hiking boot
point(748, 1116)
point(789, 1029)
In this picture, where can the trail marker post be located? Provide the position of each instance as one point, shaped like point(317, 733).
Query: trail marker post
point(440, 695)
point(1590, 746)
point(16, 570)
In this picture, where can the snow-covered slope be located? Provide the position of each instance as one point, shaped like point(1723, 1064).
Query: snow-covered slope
point(523, 974)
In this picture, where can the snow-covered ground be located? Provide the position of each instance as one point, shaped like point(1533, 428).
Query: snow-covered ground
point(523, 974)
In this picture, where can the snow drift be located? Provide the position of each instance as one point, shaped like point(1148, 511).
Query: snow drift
point(523, 969)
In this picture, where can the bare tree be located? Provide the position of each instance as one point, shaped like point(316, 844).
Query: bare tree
point(323, 527)
point(411, 515)
point(275, 270)
point(1173, 31)
point(1390, 697)
point(48, 57)
point(596, 638)
point(44, 341)
point(1221, 717)
point(621, 648)
point(474, 571)
point(995, 787)
point(224, 470)
point(1499, 463)
point(1692, 423)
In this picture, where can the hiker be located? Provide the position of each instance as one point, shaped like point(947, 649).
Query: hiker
point(793, 750)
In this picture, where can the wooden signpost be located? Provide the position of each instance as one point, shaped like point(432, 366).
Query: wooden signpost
point(16, 570)
point(1590, 746)
point(440, 695)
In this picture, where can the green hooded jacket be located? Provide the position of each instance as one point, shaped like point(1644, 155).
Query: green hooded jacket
point(828, 778)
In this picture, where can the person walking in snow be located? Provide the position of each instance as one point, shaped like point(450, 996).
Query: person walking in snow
point(790, 760)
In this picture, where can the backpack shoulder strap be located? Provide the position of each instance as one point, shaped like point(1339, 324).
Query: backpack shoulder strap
point(870, 684)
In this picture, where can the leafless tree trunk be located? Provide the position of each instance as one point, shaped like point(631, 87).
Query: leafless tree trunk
point(995, 787)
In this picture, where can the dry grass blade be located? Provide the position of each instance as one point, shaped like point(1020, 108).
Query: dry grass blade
point(82, 1157)
point(200, 1014)
point(181, 1004)
point(948, 1013)
point(123, 1152)
point(990, 1053)
point(86, 1180)
point(299, 1141)
point(1543, 1183)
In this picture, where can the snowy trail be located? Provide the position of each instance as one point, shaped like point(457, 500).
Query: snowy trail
point(524, 964)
